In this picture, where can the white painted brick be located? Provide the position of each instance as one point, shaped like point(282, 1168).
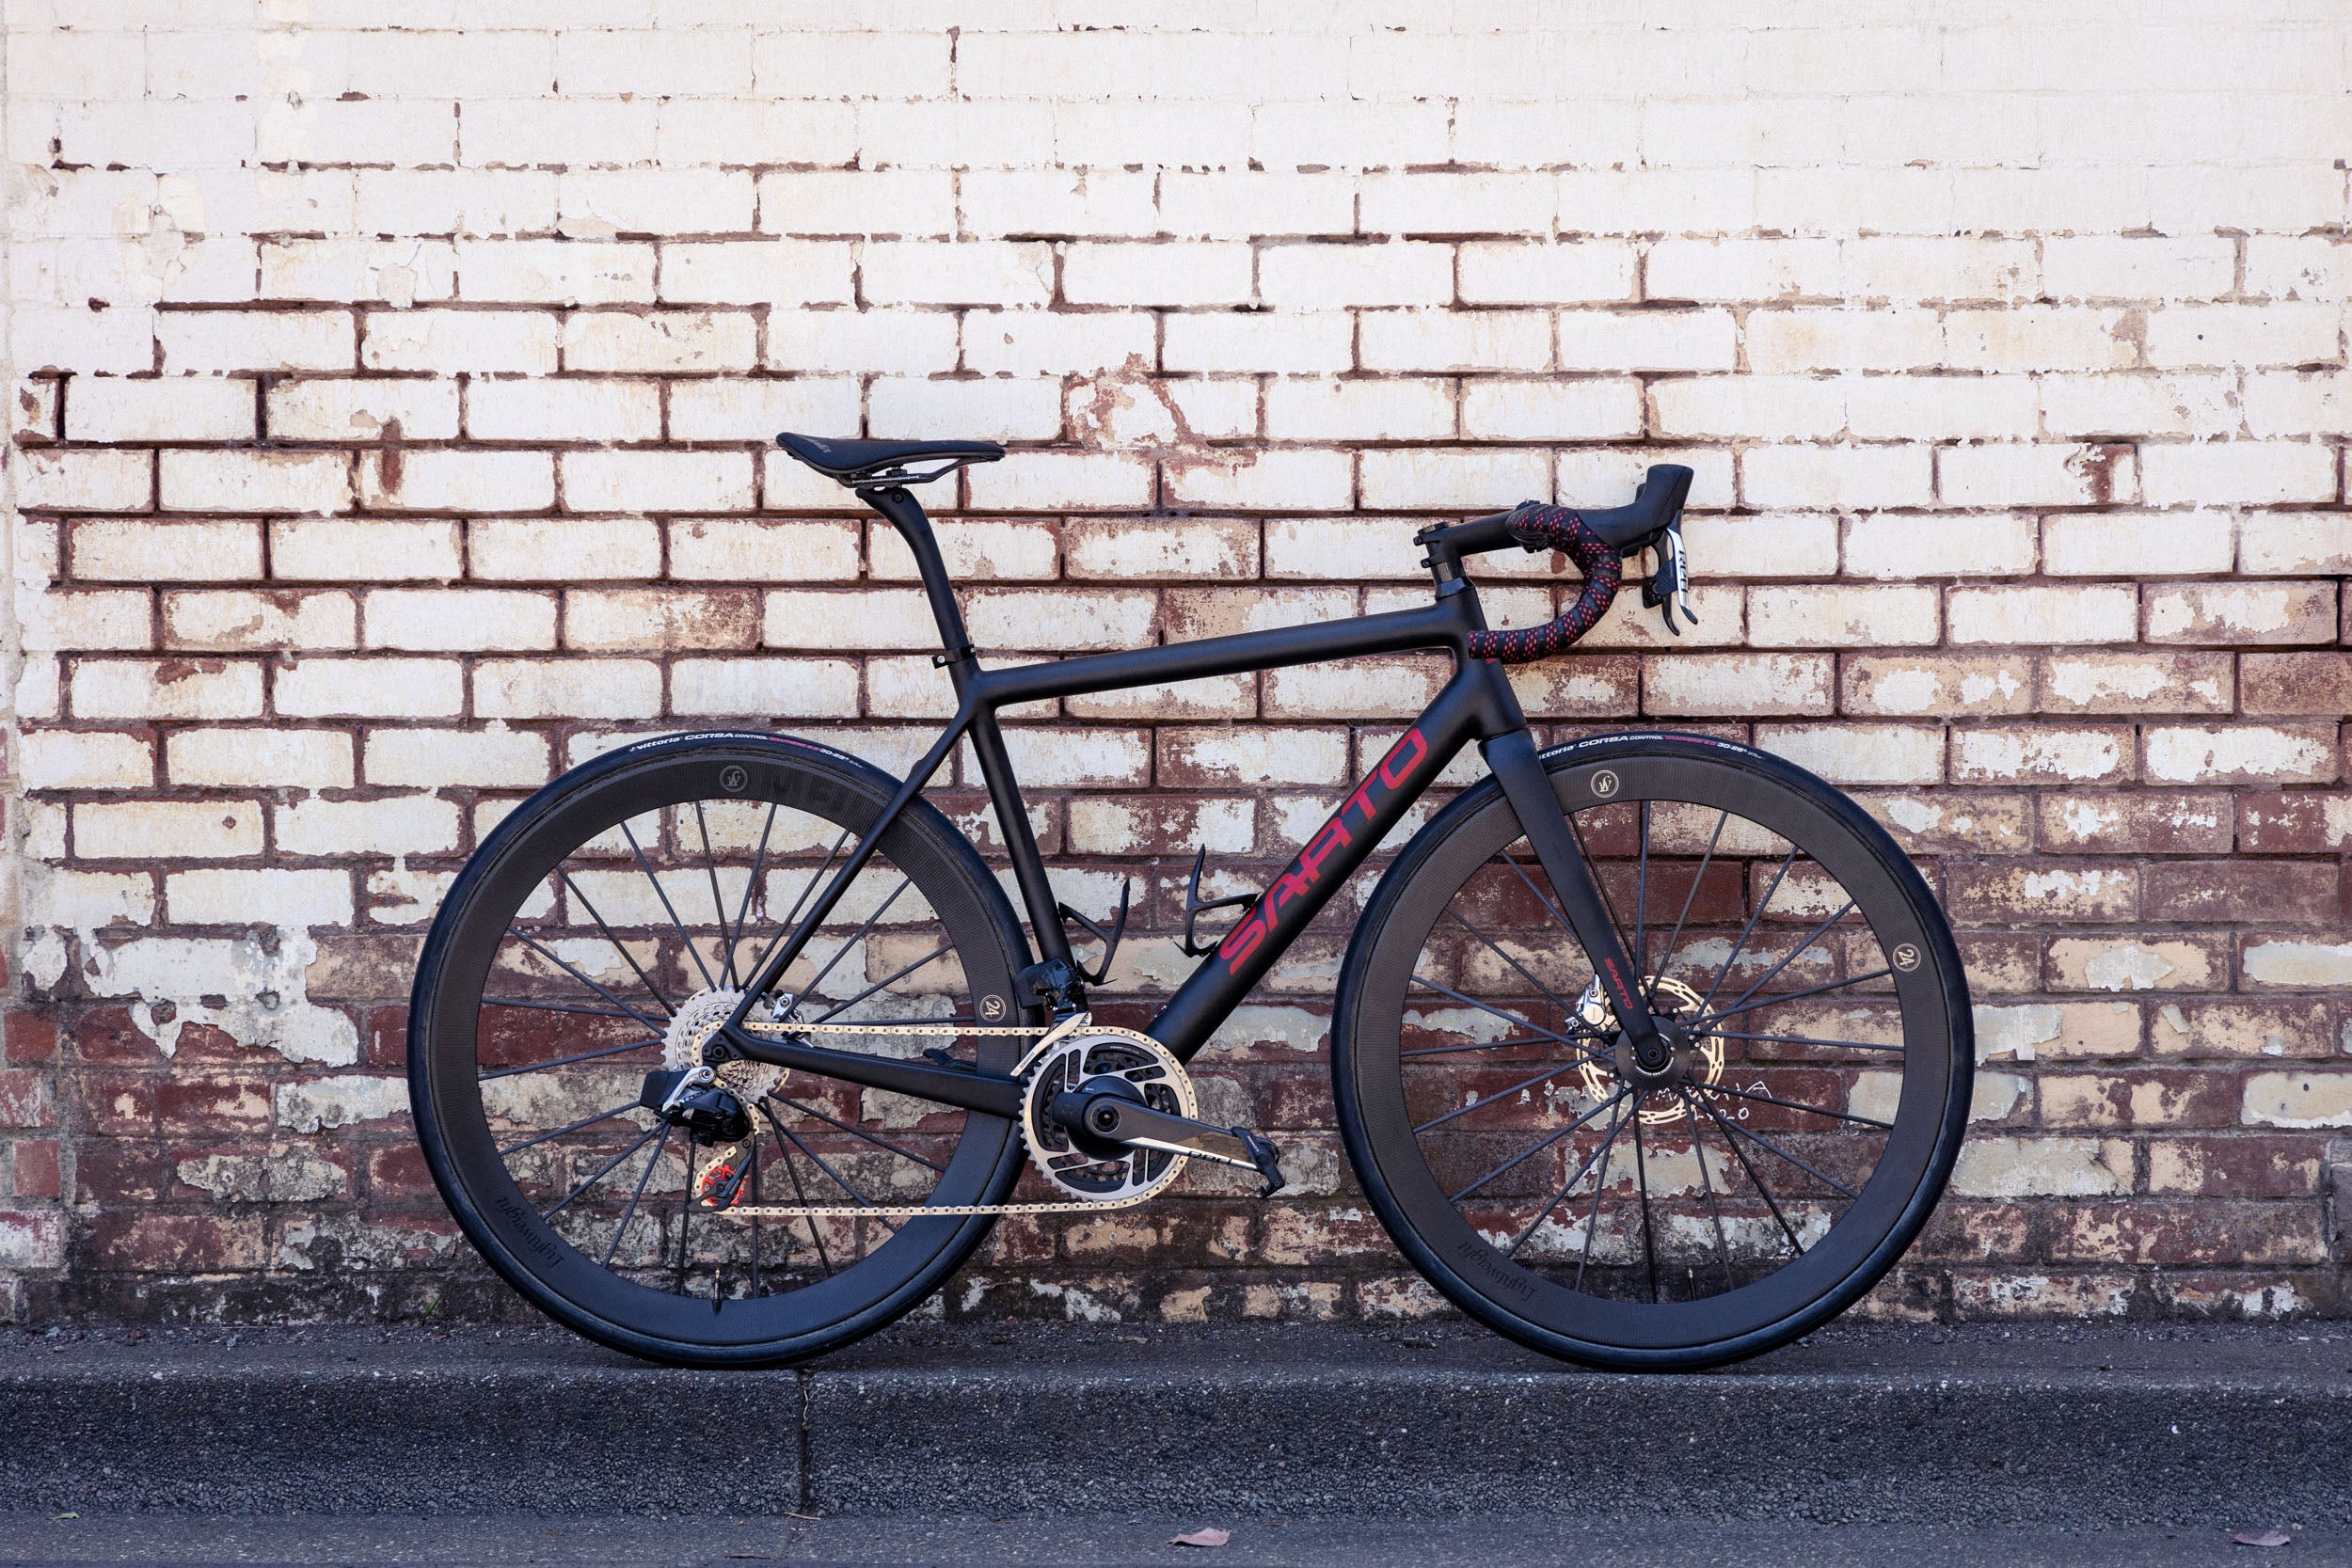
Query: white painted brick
point(1032, 202)
point(1647, 341)
point(2264, 755)
point(1904, 545)
point(567, 689)
point(550, 408)
point(890, 342)
point(299, 898)
point(757, 272)
point(562, 550)
point(386, 131)
point(276, 757)
point(712, 61)
point(2299, 544)
point(1841, 617)
point(84, 481)
point(1775, 407)
point(2037, 337)
point(335, 409)
point(657, 480)
point(729, 409)
point(1945, 407)
point(865, 618)
point(880, 64)
point(433, 620)
point(1570, 409)
point(497, 757)
point(216, 341)
point(2294, 402)
point(368, 689)
point(787, 485)
point(2111, 267)
point(449, 340)
point(2173, 543)
point(2245, 335)
point(2141, 402)
point(1607, 476)
point(124, 550)
point(1322, 276)
point(1263, 481)
point(338, 550)
point(1696, 684)
point(1860, 754)
point(73, 759)
point(1781, 341)
point(1836, 476)
point(1456, 341)
point(1175, 273)
point(998, 409)
point(179, 408)
point(670, 341)
point(458, 480)
point(1002, 549)
point(2302, 266)
point(192, 481)
point(1436, 202)
point(976, 272)
point(467, 202)
point(2252, 472)
point(1239, 205)
point(1405, 480)
point(1053, 482)
point(555, 272)
point(2020, 473)
point(596, 204)
point(397, 272)
point(1283, 344)
point(865, 202)
point(245, 621)
point(723, 549)
point(2032, 615)
point(1386, 408)
point(766, 688)
point(1495, 272)
point(400, 825)
point(86, 621)
point(171, 688)
point(1772, 545)
point(556, 133)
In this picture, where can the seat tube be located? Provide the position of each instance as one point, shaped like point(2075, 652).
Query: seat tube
point(906, 514)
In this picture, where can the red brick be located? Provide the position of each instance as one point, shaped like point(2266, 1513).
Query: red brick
point(2040, 890)
point(2133, 822)
point(25, 1098)
point(209, 1103)
point(2241, 892)
point(2249, 1165)
point(2294, 821)
point(2211, 1233)
point(31, 1033)
point(176, 1243)
point(2298, 683)
point(37, 1169)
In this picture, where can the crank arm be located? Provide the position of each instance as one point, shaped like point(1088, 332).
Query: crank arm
point(1121, 1120)
point(984, 1092)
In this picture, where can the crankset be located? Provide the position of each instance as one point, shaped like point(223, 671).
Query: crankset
point(1108, 1117)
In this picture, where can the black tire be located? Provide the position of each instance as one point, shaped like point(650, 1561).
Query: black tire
point(1768, 1192)
point(500, 1076)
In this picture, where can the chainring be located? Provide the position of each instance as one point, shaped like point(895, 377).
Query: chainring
point(1133, 1064)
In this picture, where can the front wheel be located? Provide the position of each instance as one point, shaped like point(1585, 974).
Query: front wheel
point(1816, 1104)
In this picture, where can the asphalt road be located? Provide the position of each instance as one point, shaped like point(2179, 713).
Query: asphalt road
point(499, 1541)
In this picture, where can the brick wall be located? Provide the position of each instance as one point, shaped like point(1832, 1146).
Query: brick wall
point(390, 414)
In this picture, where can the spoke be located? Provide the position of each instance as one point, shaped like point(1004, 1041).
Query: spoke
point(1666, 956)
point(664, 893)
point(1616, 1117)
point(1793, 1105)
point(1641, 1176)
point(941, 951)
point(1500, 1094)
point(718, 903)
point(567, 1061)
point(631, 1212)
point(1600, 1186)
point(1507, 1018)
point(1741, 1155)
point(601, 1174)
point(857, 936)
point(838, 1180)
point(1549, 994)
point(1758, 1138)
point(1745, 932)
point(1790, 957)
point(686, 1218)
point(1801, 1039)
point(627, 957)
point(1483, 1045)
point(658, 1026)
point(1702, 1023)
point(1641, 900)
point(554, 1007)
point(1706, 1185)
point(799, 1193)
point(1550, 908)
point(783, 929)
point(743, 910)
point(584, 1122)
point(858, 1131)
point(1547, 1142)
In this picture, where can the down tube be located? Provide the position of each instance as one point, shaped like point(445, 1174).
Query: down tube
point(1465, 710)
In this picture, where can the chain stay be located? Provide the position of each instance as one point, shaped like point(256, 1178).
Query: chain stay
point(940, 1210)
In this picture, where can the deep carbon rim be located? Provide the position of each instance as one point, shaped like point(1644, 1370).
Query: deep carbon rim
point(1487, 1139)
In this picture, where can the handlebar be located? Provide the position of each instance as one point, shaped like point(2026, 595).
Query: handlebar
point(1596, 541)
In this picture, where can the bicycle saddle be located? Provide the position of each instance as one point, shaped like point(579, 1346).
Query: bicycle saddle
point(855, 463)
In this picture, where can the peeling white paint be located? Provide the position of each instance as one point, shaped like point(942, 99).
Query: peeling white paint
point(253, 994)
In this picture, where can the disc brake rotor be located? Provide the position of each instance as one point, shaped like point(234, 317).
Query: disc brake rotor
point(1669, 998)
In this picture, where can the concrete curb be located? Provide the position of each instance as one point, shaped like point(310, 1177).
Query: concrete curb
point(2072, 1427)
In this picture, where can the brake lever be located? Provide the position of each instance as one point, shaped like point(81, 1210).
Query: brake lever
point(1668, 588)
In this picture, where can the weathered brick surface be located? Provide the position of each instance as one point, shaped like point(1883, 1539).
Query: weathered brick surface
point(388, 416)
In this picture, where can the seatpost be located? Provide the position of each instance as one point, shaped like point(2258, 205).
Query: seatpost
point(906, 514)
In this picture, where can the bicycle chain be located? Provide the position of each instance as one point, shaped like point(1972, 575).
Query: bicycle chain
point(890, 1211)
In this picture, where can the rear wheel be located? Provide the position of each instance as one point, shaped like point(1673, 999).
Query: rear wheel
point(595, 937)
point(1816, 1103)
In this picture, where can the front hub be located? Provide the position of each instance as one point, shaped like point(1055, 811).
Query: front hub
point(1681, 1055)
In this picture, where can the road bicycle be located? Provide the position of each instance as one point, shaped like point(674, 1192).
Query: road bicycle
point(1650, 1051)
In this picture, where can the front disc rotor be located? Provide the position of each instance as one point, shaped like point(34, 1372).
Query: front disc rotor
point(1701, 1062)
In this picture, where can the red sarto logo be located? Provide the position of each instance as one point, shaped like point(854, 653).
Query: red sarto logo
point(1405, 757)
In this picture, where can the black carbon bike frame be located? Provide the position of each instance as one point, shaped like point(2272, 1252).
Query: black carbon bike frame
point(1477, 704)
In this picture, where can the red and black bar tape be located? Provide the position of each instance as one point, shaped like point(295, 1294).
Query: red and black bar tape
point(1559, 528)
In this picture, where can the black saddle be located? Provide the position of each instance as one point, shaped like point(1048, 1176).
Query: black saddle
point(860, 462)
